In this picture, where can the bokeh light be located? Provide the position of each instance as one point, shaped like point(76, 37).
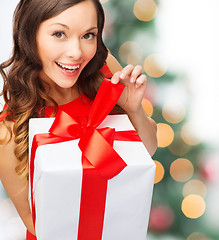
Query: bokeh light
point(172, 112)
point(159, 174)
point(197, 236)
point(178, 147)
point(130, 53)
point(193, 206)
point(195, 187)
point(209, 168)
point(165, 134)
point(155, 66)
point(145, 10)
point(188, 134)
point(161, 218)
point(181, 170)
point(148, 107)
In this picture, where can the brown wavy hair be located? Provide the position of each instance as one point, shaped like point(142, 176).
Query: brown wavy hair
point(23, 91)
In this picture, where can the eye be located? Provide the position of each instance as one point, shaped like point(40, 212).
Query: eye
point(89, 36)
point(59, 35)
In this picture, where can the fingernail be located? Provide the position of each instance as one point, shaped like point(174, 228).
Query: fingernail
point(113, 80)
point(122, 76)
point(132, 80)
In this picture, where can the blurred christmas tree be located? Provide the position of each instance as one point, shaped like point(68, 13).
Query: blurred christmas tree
point(179, 200)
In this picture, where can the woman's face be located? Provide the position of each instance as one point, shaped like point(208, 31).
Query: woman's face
point(66, 43)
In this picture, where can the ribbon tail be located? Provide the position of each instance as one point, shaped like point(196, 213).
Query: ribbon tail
point(92, 208)
point(32, 157)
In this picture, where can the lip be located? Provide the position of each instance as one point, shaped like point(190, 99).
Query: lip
point(69, 74)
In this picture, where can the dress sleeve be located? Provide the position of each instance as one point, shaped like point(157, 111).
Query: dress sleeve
point(106, 71)
point(30, 236)
point(4, 114)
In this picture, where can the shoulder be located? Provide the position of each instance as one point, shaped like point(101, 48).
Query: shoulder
point(113, 64)
point(111, 67)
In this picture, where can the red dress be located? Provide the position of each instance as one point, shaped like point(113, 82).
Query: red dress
point(82, 100)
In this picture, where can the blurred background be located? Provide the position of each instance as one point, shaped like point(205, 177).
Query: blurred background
point(177, 43)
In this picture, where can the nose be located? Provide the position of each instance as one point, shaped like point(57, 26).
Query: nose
point(74, 50)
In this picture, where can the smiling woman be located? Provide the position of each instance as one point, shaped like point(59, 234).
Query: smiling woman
point(66, 43)
point(58, 55)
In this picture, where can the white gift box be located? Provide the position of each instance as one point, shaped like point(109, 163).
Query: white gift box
point(58, 179)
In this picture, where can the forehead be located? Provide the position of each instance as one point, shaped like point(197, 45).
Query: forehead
point(83, 14)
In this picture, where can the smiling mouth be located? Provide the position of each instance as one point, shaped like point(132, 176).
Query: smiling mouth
point(68, 68)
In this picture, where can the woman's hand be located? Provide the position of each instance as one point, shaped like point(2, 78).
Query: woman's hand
point(131, 101)
point(133, 94)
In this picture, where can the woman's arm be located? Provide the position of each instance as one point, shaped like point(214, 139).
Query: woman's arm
point(16, 188)
point(131, 101)
point(146, 129)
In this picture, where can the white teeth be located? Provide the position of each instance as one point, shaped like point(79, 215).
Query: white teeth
point(67, 67)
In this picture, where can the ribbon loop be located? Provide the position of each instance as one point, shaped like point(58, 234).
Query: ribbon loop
point(105, 100)
point(65, 126)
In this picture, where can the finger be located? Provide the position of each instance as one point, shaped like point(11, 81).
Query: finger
point(126, 71)
point(141, 80)
point(116, 77)
point(137, 71)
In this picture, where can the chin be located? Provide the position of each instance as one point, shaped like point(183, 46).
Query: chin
point(67, 85)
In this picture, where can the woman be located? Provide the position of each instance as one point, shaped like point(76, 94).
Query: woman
point(58, 54)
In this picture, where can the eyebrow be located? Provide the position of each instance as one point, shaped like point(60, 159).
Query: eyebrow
point(65, 26)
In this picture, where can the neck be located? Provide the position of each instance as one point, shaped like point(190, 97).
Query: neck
point(62, 95)
point(65, 96)
point(59, 94)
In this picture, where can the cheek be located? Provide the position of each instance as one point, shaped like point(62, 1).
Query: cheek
point(90, 52)
point(47, 53)
point(46, 48)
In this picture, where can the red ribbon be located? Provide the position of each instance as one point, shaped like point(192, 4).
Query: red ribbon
point(99, 160)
